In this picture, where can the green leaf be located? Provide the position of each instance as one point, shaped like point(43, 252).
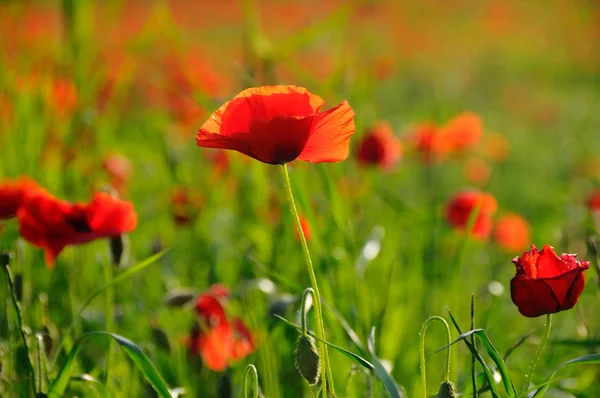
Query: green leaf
point(143, 364)
point(493, 353)
point(390, 385)
point(592, 358)
point(486, 370)
point(361, 361)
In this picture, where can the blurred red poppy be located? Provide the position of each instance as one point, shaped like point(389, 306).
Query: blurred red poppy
point(118, 168)
point(477, 171)
point(593, 201)
point(429, 143)
point(185, 206)
point(460, 207)
point(52, 224)
point(463, 132)
point(546, 283)
point(277, 124)
point(214, 337)
point(305, 229)
point(379, 147)
point(511, 232)
point(12, 194)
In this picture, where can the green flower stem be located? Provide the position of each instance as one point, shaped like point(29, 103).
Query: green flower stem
point(15, 302)
point(422, 351)
point(109, 303)
point(539, 351)
point(326, 371)
point(252, 374)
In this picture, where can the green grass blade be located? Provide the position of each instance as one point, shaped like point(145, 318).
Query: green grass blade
point(493, 353)
point(390, 385)
point(589, 359)
point(143, 364)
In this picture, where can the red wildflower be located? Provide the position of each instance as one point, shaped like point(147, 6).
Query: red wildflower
point(52, 224)
point(511, 232)
point(214, 337)
point(593, 201)
point(12, 194)
point(277, 124)
point(379, 147)
point(463, 132)
point(461, 205)
point(63, 97)
point(429, 143)
point(477, 171)
point(546, 283)
point(184, 206)
point(305, 229)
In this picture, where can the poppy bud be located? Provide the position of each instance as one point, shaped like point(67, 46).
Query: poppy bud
point(308, 360)
point(117, 247)
point(447, 390)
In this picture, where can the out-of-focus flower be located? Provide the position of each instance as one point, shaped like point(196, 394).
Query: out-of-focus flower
point(463, 132)
point(460, 207)
point(379, 147)
point(185, 206)
point(12, 194)
point(218, 340)
point(546, 283)
point(593, 201)
point(477, 171)
point(511, 232)
point(52, 224)
point(305, 229)
point(118, 168)
point(277, 124)
point(429, 142)
point(63, 97)
point(496, 147)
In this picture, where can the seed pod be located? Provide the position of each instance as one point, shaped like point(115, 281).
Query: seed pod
point(447, 390)
point(308, 360)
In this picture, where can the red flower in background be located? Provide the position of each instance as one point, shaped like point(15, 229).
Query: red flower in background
point(185, 206)
point(463, 132)
point(593, 201)
point(277, 124)
point(511, 232)
point(379, 147)
point(118, 167)
point(305, 229)
point(460, 207)
point(52, 224)
point(214, 337)
point(12, 194)
point(429, 143)
point(546, 283)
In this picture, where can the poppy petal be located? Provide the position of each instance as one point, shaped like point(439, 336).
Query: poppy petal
point(329, 139)
point(279, 140)
point(533, 297)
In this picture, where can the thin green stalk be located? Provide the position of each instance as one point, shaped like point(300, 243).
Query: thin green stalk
point(253, 375)
point(13, 296)
point(109, 303)
point(473, 343)
point(422, 350)
point(539, 351)
point(326, 372)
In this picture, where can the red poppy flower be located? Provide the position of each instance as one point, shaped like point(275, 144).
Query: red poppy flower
point(52, 224)
point(546, 283)
point(477, 171)
point(379, 147)
point(278, 124)
point(593, 201)
point(214, 337)
point(429, 142)
point(464, 131)
point(305, 224)
point(461, 205)
point(12, 194)
point(511, 232)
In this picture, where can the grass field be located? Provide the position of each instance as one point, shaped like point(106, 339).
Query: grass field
point(496, 99)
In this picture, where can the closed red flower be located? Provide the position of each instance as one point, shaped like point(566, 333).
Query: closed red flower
point(277, 124)
point(546, 283)
point(511, 232)
point(52, 224)
point(379, 147)
point(12, 194)
point(460, 207)
point(214, 337)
